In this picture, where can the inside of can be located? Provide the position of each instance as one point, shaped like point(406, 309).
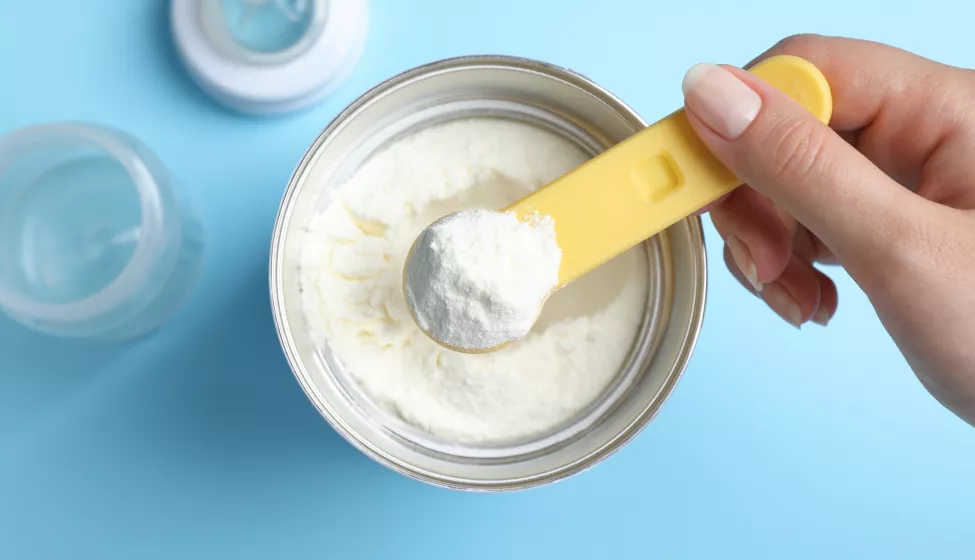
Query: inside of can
point(642, 383)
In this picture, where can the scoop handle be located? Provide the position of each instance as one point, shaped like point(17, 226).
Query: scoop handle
point(653, 179)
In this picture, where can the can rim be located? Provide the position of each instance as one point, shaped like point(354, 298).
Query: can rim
point(612, 445)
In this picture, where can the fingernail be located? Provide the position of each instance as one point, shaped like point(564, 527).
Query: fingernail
point(743, 258)
point(781, 302)
point(720, 99)
point(822, 316)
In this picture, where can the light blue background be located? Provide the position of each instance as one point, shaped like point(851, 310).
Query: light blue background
point(198, 443)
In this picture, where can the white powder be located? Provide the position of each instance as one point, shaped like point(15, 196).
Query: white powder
point(352, 277)
point(477, 279)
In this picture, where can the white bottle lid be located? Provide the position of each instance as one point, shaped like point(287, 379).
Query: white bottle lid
point(317, 44)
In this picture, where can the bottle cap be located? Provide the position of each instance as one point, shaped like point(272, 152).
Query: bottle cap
point(269, 56)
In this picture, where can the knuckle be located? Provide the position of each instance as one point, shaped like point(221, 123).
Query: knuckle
point(949, 94)
point(799, 44)
point(925, 249)
point(941, 249)
point(966, 97)
point(799, 150)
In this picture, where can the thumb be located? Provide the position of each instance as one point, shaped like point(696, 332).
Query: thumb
point(781, 150)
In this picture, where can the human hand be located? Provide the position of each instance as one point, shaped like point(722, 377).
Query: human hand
point(887, 191)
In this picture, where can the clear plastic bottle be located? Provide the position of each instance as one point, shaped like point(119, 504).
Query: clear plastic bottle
point(96, 240)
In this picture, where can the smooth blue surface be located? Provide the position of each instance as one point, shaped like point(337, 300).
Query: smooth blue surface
point(198, 443)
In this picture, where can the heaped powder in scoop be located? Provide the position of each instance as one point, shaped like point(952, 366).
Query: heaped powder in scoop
point(477, 279)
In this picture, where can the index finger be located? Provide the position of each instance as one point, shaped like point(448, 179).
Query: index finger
point(901, 105)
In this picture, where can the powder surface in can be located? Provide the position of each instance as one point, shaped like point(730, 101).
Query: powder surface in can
point(351, 275)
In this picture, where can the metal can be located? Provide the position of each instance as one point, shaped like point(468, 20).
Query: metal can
point(547, 96)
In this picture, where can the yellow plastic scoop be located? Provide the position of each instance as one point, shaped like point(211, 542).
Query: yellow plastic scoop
point(653, 179)
point(644, 184)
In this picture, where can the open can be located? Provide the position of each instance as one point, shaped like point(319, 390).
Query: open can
point(547, 96)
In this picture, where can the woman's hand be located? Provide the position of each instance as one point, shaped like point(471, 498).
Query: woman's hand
point(887, 191)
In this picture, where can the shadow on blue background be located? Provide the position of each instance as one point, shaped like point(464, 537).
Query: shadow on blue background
point(38, 371)
point(214, 418)
point(231, 388)
point(224, 387)
point(170, 67)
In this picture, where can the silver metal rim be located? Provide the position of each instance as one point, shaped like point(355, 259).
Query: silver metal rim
point(580, 464)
